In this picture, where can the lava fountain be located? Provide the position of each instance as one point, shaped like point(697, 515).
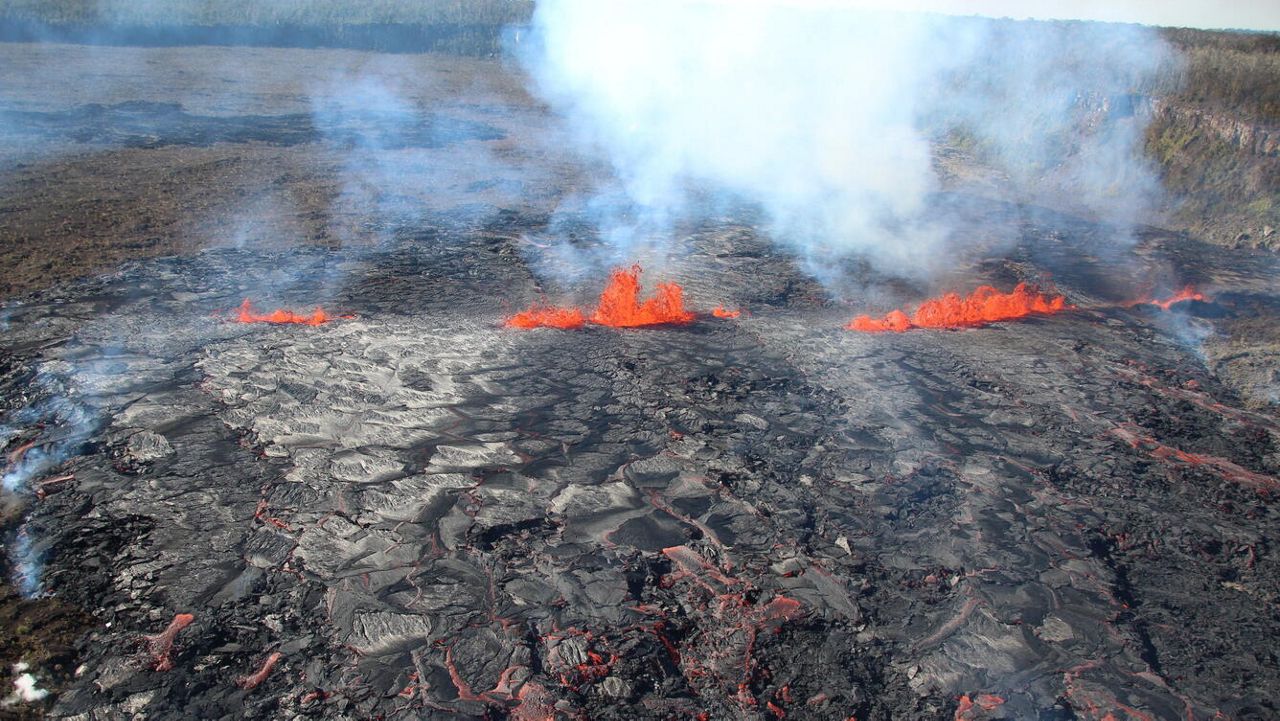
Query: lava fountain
point(984, 305)
point(619, 307)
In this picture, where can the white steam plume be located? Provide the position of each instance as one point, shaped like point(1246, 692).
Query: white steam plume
point(824, 116)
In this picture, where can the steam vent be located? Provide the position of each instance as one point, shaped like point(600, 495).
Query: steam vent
point(615, 361)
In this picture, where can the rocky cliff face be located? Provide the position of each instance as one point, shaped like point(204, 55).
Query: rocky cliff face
point(1221, 172)
point(1248, 137)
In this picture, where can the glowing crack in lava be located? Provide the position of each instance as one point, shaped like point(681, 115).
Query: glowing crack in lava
point(982, 306)
point(619, 307)
point(1186, 294)
point(247, 314)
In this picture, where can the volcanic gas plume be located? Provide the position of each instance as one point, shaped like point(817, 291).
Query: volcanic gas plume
point(619, 307)
point(984, 305)
point(246, 314)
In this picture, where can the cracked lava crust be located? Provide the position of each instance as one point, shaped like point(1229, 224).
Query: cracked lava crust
point(417, 512)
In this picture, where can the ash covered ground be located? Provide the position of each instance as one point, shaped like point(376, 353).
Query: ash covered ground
point(415, 512)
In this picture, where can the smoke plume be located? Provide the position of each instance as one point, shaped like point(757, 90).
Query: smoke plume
point(826, 118)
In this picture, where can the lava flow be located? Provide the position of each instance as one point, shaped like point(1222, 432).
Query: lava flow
point(246, 314)
point(547, 316)
point(722, 312)
point(619, 307)
point(1186, 294)
point(984, 305)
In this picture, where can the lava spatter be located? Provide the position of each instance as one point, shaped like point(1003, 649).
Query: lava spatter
point(246, 314)
point(984, 305)
point(619, 307)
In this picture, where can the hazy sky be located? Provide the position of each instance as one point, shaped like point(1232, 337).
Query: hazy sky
point(1251, 14)
point(1254, 14)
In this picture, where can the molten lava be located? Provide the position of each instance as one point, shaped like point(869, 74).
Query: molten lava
point(248, 315)
point(547, 316)
point(619, 307)
point(973, 709)
point(1186, 294)
point(722, 312)
point(984, 305)
point(160, 646)
point(254, 680)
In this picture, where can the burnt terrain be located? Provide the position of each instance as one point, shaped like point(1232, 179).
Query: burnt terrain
point(414, 512)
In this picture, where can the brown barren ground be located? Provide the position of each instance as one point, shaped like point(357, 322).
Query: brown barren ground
point(81, 193)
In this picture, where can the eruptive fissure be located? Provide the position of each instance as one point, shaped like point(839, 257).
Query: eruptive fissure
point(246, 314)
point(984, 305)
point(542, 315)
point(619, 307)
point(1188, 293)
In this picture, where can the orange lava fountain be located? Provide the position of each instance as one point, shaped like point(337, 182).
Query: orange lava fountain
point(984, 305)
point(619, 307)
point(248, 315)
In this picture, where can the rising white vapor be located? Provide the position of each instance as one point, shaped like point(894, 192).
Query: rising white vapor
point(823, 115)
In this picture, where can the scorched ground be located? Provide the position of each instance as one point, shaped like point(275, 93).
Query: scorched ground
point(416, 512)
point(403, 508)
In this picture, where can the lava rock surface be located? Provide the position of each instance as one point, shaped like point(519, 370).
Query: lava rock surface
point(415, 512)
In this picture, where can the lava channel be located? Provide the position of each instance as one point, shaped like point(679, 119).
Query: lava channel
point(1182, 296)
point(984, 305)
point(619, 307)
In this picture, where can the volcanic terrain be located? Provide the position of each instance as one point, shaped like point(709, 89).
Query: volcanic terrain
point(387, 502)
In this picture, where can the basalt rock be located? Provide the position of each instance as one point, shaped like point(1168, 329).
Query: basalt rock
point(416, 512)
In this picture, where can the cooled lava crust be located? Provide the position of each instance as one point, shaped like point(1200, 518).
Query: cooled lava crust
point(417, 513)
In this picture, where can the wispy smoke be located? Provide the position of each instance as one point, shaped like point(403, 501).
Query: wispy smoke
point(826, 117)
point(67, 424)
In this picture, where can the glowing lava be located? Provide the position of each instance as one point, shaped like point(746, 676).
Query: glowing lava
point(547, 316)
point(160, 646)
point(973, 709)
point(984, 305)
point(248, 315)
point(619, 307)
point(1186, 294)
point(722, 312)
